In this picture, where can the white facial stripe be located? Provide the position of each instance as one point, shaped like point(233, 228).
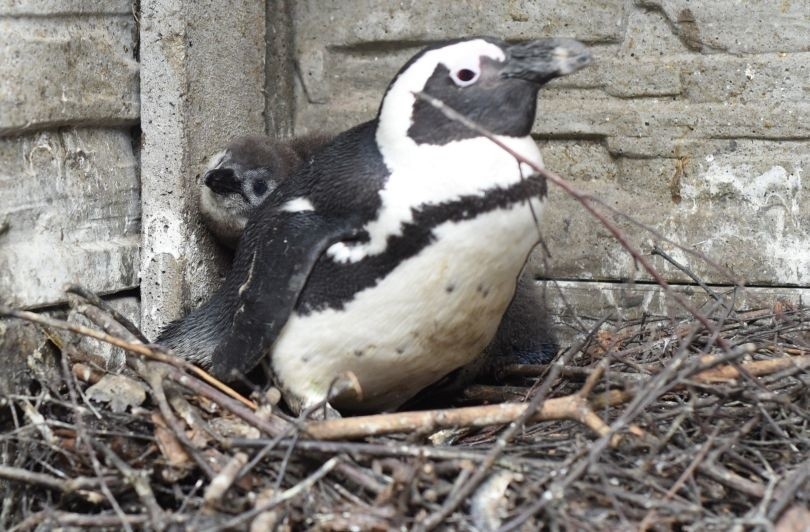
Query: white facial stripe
point(395, 115)
point(298, 205)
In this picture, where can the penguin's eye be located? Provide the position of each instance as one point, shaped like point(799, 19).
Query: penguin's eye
point(464, 77)
point(259, 187)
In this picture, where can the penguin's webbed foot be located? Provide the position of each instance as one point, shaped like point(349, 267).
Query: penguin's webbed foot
point(319, 411)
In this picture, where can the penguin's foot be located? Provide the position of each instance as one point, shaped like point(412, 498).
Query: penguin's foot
point(320, 412)
point(344, 389)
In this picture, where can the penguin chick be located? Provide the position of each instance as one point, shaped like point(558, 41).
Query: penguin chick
point(241, 176)
point(396, 250)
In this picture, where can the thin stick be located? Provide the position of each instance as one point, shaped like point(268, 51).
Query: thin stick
point(139, 349)
point(49, 481)
point(568, 407)
point(63, 519)
point(94, 299)
point(139, 481)
point(85, 439)
point(302, 487)
point(664, 255)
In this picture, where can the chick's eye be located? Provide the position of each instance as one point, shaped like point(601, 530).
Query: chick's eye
point(259, 187)
point(465, 76)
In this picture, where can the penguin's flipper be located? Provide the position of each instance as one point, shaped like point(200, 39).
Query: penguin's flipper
point(279, 264)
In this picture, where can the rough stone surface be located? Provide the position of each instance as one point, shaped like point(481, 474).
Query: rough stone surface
point(202, 76)
point(67, 68)
point(27, 8)
point(69, 200)
point(694, 119)
point(279, 104)
point(738, 28)
point(19, 342)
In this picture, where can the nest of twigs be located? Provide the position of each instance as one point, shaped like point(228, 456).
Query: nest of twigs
point(653, 424)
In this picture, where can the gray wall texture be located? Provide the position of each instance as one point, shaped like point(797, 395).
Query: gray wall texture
point(69, 174)
point(69, 183)
point(694, 119)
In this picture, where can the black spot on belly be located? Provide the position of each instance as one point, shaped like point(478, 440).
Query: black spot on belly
point(359, 352)
point(483, 290)
point(449, 288)
point(400, 350)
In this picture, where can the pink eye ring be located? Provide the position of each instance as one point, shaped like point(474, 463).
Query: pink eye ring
point(465, 76)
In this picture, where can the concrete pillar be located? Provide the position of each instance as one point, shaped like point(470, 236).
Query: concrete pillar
point(202, 83)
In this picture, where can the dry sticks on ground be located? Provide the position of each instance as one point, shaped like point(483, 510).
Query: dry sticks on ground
point(195, 456)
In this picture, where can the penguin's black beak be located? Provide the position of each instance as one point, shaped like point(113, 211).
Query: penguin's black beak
point(545, 59)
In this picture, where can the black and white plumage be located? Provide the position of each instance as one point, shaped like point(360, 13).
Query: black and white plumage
point(232, 188)
point(395, 251)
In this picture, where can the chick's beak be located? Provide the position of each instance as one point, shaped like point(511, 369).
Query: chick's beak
point(222, 181)
point(545, 59)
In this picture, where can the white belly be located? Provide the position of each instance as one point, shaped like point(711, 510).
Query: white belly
point(434, 313)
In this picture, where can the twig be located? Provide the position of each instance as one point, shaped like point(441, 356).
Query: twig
point(224, 480)
point(137, 348)
point(138, 480)
point(573, 407)
point(302, 487)
point(721, 474)
point(792, 483)
point(395, 449)
point(687, 473)
point(84, 438)
point(756, 368)
point(647, 393)
point(154, 375)
point(38, 421)
point(577, 408)
point(63, 519)
point(661, 253)
point(49, 481)
point(272, 426)
point(93, 299)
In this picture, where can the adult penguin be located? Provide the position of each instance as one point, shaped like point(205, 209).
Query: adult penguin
point(395, 251)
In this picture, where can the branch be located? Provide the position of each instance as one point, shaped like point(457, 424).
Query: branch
point(574, 407)
point(132, 347)
point(49, 481)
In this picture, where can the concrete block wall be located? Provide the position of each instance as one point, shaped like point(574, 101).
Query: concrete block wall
point(694, 119)
point(69, 183)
